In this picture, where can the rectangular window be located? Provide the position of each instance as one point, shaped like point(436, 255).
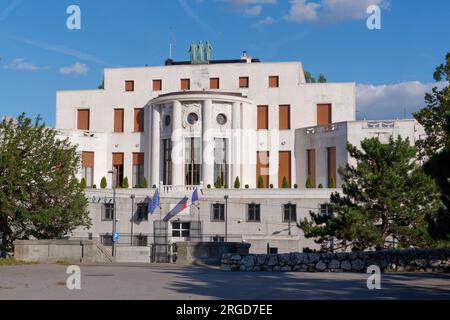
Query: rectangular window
point(220, 161)
point(331, 167)
point(285, 117)
point(83, 119)
point(157, 85)
point(193, 158)
point(244, 82)
point(118, 160)
point(140, 241)
point(289, 212)
point(218, 212)
point(311, 172)
point(214, 83)
point(262, 168)
point(274, 82)
point(88, 168)
point(142, 212)
point(181, 229)
point(263, 117)
point(167, 162)
point(138, 169)
point(139, 116)
point(324, 114)
point(325, 209)
point(185, 84)
point(254, 213)
point(284, 170)
point(218, 239)
point(129, 85)
point(108, 212)
point(106, 240)
point(118, 120)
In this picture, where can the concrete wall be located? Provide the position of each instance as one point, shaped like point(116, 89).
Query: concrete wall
point(133, 255)
point(414, 260)
point(60, 250)
point(207, 252)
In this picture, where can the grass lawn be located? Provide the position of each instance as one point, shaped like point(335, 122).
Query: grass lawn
point(12, 262)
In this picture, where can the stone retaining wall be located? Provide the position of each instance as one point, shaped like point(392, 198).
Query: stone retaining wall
point(417, 260)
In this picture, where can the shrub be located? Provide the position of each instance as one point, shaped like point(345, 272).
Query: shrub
point(218, 184)
point(320, 186)
point(144, 184)
point(125, 183)
point(103, 183)
point(331, 183)
point(285, 184)
point(237, 183)
point(83, 183)
point(260, 183)
point(309, 183)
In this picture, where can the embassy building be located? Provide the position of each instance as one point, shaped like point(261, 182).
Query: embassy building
point(250, 136)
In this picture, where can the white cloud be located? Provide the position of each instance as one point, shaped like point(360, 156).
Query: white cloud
point(253, 11)
point(22, 64)
point(330, 11)
point(75, 70)
point(392, 101)
point(250, 2)
point(264, 22)
point(9, 9)
point(249, 7)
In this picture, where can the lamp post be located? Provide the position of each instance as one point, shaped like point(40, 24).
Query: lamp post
point(226, 218)
point(114, 226)
point(132, 217)
point(290, 217)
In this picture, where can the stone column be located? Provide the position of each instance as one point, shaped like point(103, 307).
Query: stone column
point(177, 145)
point(235, 145)
point(208, 144)
point(156, 145)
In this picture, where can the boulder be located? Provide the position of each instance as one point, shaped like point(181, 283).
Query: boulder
point(321, 266)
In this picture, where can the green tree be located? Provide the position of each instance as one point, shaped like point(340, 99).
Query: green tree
point(102, 85)
point(40, 195)
point(331, 183)
point(103, 183)
point(125, 183)
point(322, 79)
point(285, 184)
point(218, 184)
point(144, 184)
point(387, 196)
point(309, 78)
point(237, 183)
point(83, 183)
point(309, 183)
point(432, 117)
point(260, 182)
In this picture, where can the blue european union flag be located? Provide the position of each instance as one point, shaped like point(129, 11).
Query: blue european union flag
point(195, 196)
point(154, 204)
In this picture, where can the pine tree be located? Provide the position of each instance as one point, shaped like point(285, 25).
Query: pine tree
point(144, 184)
point(218, 184)
point(237, 183)
point(331, 183)
point(387, 196)
point(285, 184)
point(103, 183)
point(309, 183)
point(125, 183)
point(260, 182)
point(83, 184)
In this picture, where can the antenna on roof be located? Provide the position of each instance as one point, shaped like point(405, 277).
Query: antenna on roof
point(170, 44)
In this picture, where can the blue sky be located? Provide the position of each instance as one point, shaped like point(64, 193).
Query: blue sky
point(393, 66)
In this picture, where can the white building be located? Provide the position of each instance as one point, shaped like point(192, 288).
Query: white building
point(182, 125)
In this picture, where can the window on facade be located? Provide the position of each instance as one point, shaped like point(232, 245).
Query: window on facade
point(311, 166)
point(185, 84)
point(285, 117)
point(263, 117)
point(106, 240)
point(274, 82)
point(118, 120)
point(289, 212)
point(157, 85)
point(214, 83)
point(218, 239)
point(331, 152)
point(140, 241)
point(284, 169)
point(244, 82)
point(129, 85)
point(108, 212)
point(83, 119)
point(218, 212)
point(139, 115)
point(167, 162)
point(254, 212)
point(181, 229)
point(138, 169)
point(262, 168)
point(193, 158)
point(324, 114)
point(142, 212)
point(118, 160)
point(325, 209)
point(88, 168)
point(220, 161)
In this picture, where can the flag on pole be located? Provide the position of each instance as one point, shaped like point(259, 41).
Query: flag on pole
point(180, 207)
point(195, 196)
point(154, 204)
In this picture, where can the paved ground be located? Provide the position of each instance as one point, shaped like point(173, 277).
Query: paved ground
point(179, 283)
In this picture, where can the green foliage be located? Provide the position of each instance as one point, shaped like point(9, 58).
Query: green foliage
point(102, 85)
point(125, 183)
point(218, 184)
point(388, 195)
point(322, 79)
point(83, 184)
point(103, 183)
point(331, 183)
point(237, 183)
point(285, 184)
point(40, 195)
point(260, 182)
point(309, 183)
point(310, 79)
point(144, 184)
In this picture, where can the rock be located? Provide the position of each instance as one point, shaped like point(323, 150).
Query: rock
point(313, 257)
point(225, 268)
point(321, 266)
point(276, 269)
point(334, 264)
point(236, 258)
point(353, 255)
point(341, 256)
point(273, 260)
point(248, 261)
point(286, 269)
point(261, 259)
point(358, 265)
point(235, 267)
point(346, 265)
point(284, 258)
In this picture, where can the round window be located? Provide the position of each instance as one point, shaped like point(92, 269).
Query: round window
point(222, 119)
point(167, 121)
point(192, 118)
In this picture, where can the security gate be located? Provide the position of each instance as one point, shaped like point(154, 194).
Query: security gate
point(160, 249)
